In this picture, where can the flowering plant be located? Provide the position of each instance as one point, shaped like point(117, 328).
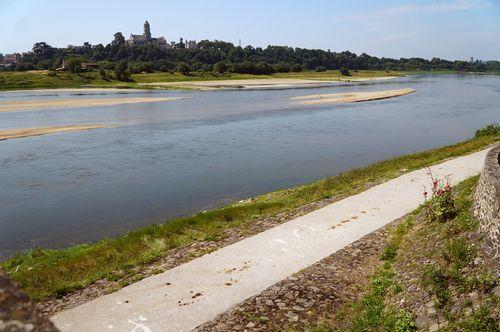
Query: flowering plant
point(440, 206)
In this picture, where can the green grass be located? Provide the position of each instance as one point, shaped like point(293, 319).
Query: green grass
point(52, 273)
point(327, 75)
point(13, 80)
point(370, 313)
point(47, 80)
point(444, 254)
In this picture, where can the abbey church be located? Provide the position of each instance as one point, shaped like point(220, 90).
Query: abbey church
point(146, 38)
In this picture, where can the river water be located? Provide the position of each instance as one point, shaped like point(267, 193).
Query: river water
point(174, 158)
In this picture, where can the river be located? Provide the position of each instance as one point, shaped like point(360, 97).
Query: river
point(174, 158)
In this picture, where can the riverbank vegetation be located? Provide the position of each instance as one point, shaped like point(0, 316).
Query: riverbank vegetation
point(219, 56)
point(53, 273)
point(46, 79)
point(433, 276)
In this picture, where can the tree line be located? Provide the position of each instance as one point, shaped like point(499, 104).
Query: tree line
point(219, 56)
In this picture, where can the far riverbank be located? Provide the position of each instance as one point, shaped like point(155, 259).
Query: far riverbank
point(44, 79)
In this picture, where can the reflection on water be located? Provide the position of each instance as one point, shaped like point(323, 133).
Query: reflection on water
point(170, 159)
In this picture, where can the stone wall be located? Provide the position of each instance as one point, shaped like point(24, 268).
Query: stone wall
point(487, 202)
point(17, 313)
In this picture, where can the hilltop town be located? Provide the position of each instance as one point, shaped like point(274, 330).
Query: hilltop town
point(9, 61)
point(146, 38)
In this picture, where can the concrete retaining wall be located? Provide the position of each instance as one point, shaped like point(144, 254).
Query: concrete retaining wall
point(487, 202)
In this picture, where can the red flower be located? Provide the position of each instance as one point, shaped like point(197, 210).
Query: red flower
point(425, 194)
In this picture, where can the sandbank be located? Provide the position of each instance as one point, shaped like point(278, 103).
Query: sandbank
point(6, 134)
point(17, 105)
point(350, 97)
point(259, 83)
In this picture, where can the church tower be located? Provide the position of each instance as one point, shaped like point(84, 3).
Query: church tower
point(147, 31)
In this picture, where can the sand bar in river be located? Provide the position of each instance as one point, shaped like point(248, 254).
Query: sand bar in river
point(258, 83)
point(18, 105)
point(350, 97)
point(27, 132)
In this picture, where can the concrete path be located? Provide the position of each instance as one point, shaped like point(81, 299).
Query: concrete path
point(186, 296)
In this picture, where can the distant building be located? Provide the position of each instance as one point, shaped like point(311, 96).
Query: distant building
point(27, 55)
point(89, 65)
point(146, 38)
point(10, 60)
point(84, 66)
point(190, 44)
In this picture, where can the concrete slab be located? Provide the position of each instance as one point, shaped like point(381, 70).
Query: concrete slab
point(186, 296)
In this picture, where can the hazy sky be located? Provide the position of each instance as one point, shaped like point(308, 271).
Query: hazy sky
point(451, 29)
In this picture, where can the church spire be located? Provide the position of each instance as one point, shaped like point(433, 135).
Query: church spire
point(147, 30)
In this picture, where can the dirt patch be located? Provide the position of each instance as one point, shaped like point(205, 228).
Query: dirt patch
point(6, 134)
point(350, 97)
point(19, 105)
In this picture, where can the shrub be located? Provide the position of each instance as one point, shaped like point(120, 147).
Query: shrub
point(296, 68)
point(74, 64)
point(458, 252)
point(121, 71)
point(441, 206)
point(220, 67)
point(436, 279)
point(183, 68)
point(490, 130)
point(320, 68)
point(246, 67)
point(282, 67)
point(102, 73)
point(344, 71)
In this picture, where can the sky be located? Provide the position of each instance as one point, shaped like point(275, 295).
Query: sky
point(449, 29)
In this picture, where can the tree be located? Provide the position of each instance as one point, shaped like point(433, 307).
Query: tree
point(121, 72)
point(103, 74)
point(183, 68)
point(320, 68)
point(296, 68)
point(220, 67)
point(73, 64)
point(180, 44)
point(118, 40)
point(43, 50)
point(344, 71)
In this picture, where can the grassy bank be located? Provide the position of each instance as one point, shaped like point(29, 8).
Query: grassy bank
point(44, 79)
point(433, 277)
point(53, 273)
point(49, 80)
